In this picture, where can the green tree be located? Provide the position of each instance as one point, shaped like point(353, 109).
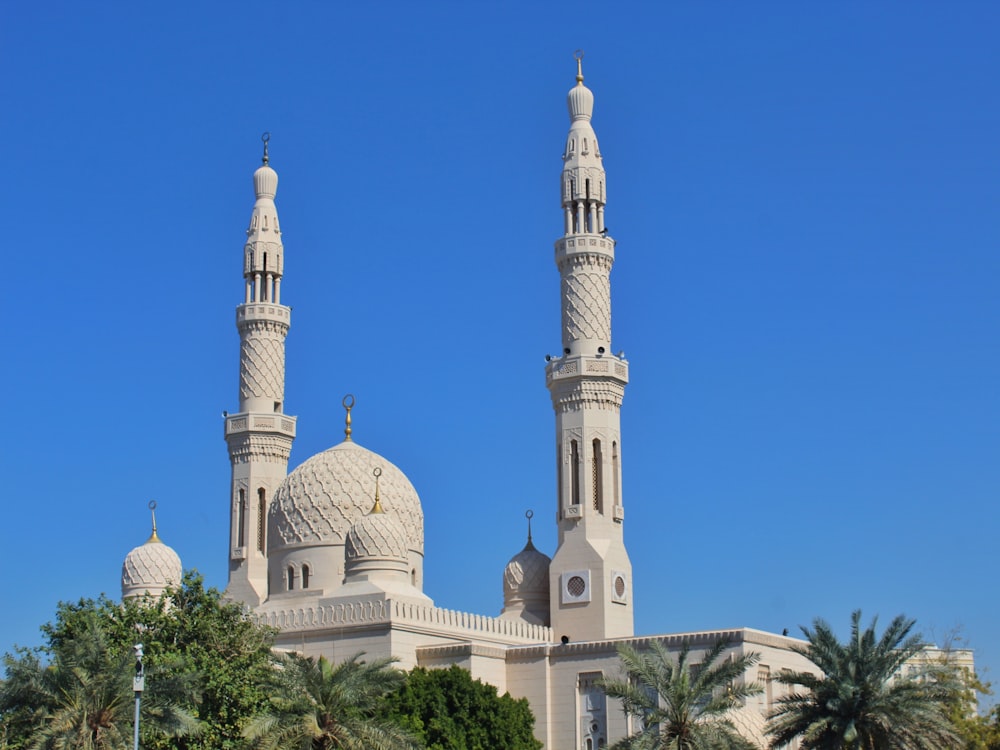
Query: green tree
point(977, 732)
point(863, 700)
point(682, 705)
point(82, 699)
point(447, 710)
point(316, 705)
point(189, 634)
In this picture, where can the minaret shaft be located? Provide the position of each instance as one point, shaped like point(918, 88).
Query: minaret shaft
point(260, 436)
point(590, 574)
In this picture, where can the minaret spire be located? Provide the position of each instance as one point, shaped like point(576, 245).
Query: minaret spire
point(260, 436)
point(590, 575)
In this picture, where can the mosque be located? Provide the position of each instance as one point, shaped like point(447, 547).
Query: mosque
point(332, 553)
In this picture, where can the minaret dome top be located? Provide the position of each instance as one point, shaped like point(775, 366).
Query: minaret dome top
point(580, 99)
point(265, 179)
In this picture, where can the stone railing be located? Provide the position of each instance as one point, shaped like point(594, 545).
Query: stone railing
point(394, 612)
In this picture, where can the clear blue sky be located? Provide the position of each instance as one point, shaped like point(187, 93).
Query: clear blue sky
point(805, 199)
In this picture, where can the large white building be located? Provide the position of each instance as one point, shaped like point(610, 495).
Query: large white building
point(332, 553)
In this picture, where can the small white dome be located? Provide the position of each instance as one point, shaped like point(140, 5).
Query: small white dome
point(527, 575)
point(265, 182)
point(580, 101)
point(377, 536)
point(150, 569)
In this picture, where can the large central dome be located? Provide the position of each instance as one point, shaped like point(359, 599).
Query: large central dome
point(318, 502)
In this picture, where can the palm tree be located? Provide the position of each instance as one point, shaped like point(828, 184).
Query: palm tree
point(319, 706)
point(682, 706)
point(83, 699)
point(864, 700)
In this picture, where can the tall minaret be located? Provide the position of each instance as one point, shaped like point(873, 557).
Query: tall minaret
point(260, 435)
point(590, 574)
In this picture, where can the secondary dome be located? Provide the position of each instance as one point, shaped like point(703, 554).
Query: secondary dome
point(527, 575)
point(526, 584)
point(320, 501)
point(377, 536)
point(150, 568)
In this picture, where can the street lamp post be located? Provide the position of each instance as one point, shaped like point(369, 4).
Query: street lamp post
point(138, 683)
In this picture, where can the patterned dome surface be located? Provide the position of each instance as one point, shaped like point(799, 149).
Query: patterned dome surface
point(527, 572)
point(320, 501)
point(152, 565)
point(378, 536)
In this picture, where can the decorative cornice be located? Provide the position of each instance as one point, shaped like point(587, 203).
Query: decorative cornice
point(459, 650)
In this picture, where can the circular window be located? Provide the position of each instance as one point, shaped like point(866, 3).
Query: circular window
point(619, 586)
point(576, 586)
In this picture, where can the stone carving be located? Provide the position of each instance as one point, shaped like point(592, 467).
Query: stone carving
point(586, 306)
point(591, 394)
point(268, 448)
point(152, 566)
point(377, 535)
point(384, 611)
point(328, 493)
point(262, 367)
point(527, 574)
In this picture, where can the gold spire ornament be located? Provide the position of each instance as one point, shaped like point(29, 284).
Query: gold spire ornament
point(377, 508)
point(578, 56)
point(153, 538)
point(348, 404)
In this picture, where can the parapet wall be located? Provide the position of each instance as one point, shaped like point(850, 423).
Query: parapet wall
point(411, 616)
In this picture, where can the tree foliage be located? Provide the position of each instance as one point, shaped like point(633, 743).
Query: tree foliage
point(681, 705)
point(447, 710)
point(864, 700)
point(317, 705)
point(976, 732)
point(190, 636)
point(82, 699)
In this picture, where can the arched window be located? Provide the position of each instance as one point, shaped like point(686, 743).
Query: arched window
point(574, 451)
point(261, 519)
point(559, 477)
point(614, 472)
point(291, 578)
point(597, 477)
point(241, 519)
point(305, 576)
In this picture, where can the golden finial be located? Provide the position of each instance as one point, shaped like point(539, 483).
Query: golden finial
point(529, 515)
point(265, 137)
point(348, 404)
point(578, 56)
point(377, 508)
point(152, 511)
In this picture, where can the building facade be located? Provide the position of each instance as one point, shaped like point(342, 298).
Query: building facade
point(331, 554)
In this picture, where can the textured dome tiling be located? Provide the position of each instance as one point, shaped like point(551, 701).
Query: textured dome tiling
point(527, 571)
point(153, 564)
point(319, 501)
point(377, 535)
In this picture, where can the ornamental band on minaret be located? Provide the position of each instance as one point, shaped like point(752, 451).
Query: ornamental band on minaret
point(260, 435)
point(590, 575)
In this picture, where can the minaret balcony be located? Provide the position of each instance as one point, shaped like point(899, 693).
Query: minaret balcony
point(587, 367)
point(263, 311)
point(279, 424)
point(579, 244)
